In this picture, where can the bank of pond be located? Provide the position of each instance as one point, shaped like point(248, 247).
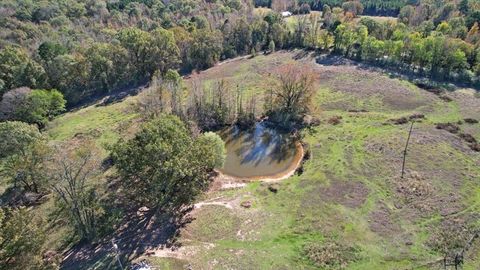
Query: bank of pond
point(261, 152)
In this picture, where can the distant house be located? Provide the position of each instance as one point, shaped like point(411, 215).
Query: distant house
point(286, 14)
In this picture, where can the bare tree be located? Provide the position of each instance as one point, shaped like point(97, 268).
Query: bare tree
point(156, 99)
point(165, 95)
point(294, 92)
point(11, 101)
point(196, 99)
point(71, 172)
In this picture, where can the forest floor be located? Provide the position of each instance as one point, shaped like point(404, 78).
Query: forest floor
point(350, 192)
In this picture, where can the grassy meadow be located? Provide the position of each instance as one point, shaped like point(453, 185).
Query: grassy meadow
point(350, 192)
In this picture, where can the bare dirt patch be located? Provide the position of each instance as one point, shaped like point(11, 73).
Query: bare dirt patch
point(383, 223)
point(347, 193)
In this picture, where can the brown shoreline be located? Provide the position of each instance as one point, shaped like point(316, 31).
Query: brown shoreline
point(275, 177)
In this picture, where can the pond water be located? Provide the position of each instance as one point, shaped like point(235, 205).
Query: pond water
point(260, 152)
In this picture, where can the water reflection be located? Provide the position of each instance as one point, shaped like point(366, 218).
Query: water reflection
point(258, 152)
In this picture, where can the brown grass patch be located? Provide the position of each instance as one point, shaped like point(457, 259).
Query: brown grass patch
point(347, 193)
point(331, 255)
point(383, 223)
point(335, 120)
point(413, 187)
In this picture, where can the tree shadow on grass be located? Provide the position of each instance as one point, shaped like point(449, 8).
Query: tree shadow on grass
point(134, 238)
point(138, 232)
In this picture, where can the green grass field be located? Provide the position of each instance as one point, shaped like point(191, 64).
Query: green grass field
point(350, 192)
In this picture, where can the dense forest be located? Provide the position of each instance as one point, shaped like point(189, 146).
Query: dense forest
point(83, 48)
point(56, 54)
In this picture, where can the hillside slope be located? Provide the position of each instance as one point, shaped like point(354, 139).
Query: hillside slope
point(350, 202)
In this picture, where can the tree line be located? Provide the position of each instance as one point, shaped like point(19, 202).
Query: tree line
point(370, 7)
point(434, 38)
point(132, 56)
point(443, 46)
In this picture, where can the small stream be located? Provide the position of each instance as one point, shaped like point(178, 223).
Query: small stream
point(260, 152)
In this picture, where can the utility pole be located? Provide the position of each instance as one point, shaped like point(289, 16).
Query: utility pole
point(117, 253)
point(405, 151)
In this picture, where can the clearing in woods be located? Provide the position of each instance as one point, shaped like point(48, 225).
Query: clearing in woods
point(350, 202)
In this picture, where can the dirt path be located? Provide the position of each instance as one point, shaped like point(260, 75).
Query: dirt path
point(216, 201)
point(182, 253)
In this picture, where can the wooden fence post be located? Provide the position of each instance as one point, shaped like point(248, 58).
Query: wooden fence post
point(405, 151)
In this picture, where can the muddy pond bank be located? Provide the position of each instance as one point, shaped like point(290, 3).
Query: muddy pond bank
point(260, 153)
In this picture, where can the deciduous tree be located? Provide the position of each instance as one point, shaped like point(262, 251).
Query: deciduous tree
point(206, 48)
point(21, 240)
point(163, 51)
point(163, 167)
point(76, 198)
point(40, 106)
point(24, 156)
point(292, 96)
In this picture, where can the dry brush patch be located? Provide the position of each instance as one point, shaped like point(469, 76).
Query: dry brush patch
point(470, 106)
point(455, 129)
point(331, 255)
point(414, 187)
point(451, 235)
point(335, 120)
point(417, 117)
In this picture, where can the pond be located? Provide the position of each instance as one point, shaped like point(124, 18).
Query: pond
point(261, 152)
